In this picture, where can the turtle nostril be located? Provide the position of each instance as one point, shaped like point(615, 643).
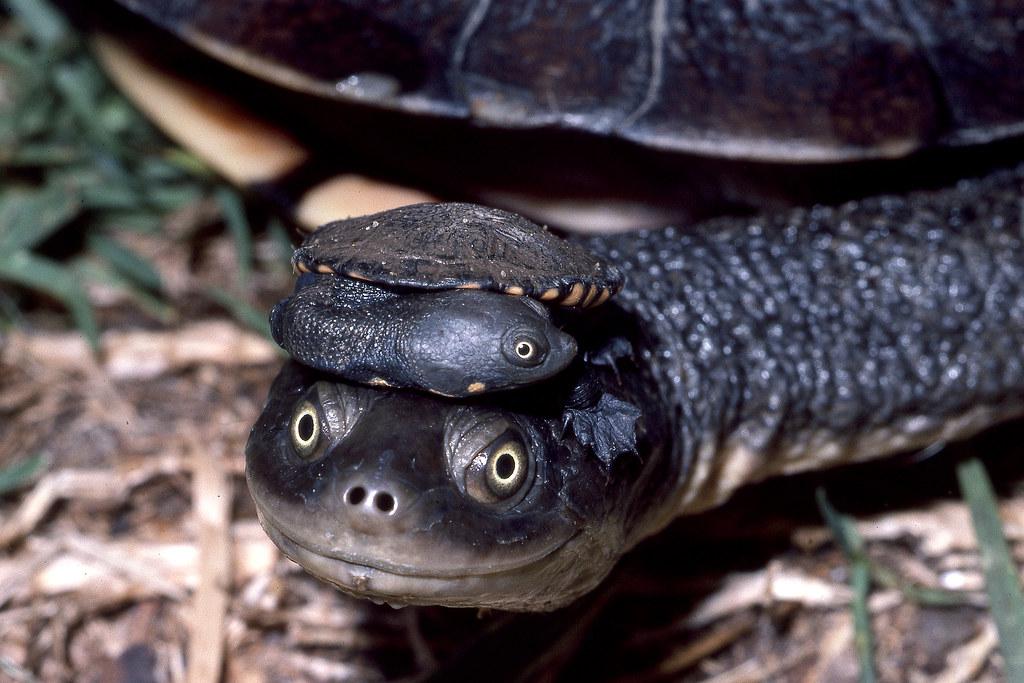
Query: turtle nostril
point(355, 495)
point(370, 500)
point(384, 502)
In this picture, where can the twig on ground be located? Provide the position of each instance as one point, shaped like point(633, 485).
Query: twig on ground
point(211, 496)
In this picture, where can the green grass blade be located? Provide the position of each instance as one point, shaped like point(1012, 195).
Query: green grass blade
point(138, 221)
point(79, 86)
point(234, 216)
point(841, 526)
point(1002, 580)
point(125, 261)
point(27, 121)
point(864, 641)
point(77, 154)
point(148, 302)
point(43, 22)
point(28, 218)
point(43, 275)
point(282, 242)
point(921, 595)
point(115, 115)
point(10, 315)
point(21, 473)
point(17, 57)
point(188, 162)
point(42, 154)
point(241, 311)
point(852, 545)
point(166, 198)
point(109, 196)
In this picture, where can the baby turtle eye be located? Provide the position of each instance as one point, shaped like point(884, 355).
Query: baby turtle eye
point(526, 351)
point(305, 429)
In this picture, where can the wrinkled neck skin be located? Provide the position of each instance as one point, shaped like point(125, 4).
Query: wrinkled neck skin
point(818, 337)
point(750, 348)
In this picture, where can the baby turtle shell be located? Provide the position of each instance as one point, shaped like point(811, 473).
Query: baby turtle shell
point(460, 246)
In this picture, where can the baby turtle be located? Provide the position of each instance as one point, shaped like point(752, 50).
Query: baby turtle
point(366, 306)
point(455, 245)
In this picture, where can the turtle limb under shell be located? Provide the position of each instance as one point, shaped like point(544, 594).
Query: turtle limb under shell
point(797, 340)
point(453, 342)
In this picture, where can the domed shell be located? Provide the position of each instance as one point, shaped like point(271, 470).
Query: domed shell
point(776, 81)
point(460, 246)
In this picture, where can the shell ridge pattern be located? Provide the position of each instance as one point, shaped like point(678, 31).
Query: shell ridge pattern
point(468, 29)
point(867, 80)
point(658, 29)
point(926, 41)
point(446, 246)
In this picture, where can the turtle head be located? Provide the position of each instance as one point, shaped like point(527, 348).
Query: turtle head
point(412, 499)
point(465, 342)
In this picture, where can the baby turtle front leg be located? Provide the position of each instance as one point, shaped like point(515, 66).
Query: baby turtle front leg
point(453, 343)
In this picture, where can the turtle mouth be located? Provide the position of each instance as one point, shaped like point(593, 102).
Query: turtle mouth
point(385, 584)
point(400, 585)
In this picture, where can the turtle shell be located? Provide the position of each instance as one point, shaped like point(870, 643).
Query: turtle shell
point(779, 81)
point(460, 246)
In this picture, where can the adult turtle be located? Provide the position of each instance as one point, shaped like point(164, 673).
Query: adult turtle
point(741, 347)
point(442, 297)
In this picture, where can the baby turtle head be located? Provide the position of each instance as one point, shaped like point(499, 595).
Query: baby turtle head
point(461, 343)
point(453, 343)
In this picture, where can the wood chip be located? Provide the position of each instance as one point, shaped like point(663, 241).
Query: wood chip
point(105, 486)
point(941, 528)
point(124, 569)
point(211, 496)
point(836, 642)
point(966, 662)
point(138, 354)
point(755, 671)
point(707, 644)
point(754, 589)
point(143, 354)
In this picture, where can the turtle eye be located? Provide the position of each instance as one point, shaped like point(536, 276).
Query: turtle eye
point(497, 472)
point(326, 415)
point(527, 351)
point(505, 469)
point(488, 457)
point(305, 429)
